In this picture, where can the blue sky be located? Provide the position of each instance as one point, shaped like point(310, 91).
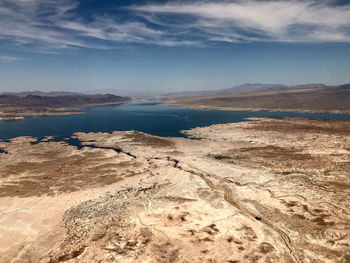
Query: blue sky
point(96, 45)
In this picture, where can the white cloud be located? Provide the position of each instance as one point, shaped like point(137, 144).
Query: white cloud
point(282, 21)
point(7, 59)
point(51, 25)
point(22, 21)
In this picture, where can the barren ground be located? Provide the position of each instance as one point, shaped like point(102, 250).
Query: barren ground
point(313, 98)
point(268, 190)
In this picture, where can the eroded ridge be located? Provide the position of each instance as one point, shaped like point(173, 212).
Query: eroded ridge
point(268, 190)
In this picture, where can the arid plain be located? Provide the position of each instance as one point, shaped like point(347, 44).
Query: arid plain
point(265, 190)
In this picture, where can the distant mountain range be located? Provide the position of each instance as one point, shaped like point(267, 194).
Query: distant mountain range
point(138, 94)
point(248, 87)
point(308, 97)
point(253, 86)
point(41, 93)
point(127, 93)
point(57, 100)
point(17, 106)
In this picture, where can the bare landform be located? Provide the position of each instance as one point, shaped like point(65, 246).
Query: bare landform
point(302, 98)
point(14, 107)
point(267, 190)
point(18, 113)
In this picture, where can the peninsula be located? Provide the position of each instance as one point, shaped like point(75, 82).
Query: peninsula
point(241, 192)
point(16, 106)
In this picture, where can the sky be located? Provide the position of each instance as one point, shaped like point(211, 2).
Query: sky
point(169, 46)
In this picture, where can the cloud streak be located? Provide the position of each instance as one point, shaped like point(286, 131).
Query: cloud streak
point(7, 59)
point(51, 25)
point(278, 21)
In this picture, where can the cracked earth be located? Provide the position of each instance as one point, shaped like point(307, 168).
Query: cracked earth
point(266, 190)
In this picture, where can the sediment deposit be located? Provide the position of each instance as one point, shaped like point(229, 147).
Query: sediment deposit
point(266, 190)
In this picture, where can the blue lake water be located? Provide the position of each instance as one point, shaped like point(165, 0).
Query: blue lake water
point(151, 118)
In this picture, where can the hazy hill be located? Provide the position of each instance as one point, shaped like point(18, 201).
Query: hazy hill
point(250, 86)
point(41, 93)
point(59, 101)
point(309, 97)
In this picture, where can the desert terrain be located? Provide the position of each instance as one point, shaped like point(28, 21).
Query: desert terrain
point(300, 98)
point(15, 106)
point(265, 190)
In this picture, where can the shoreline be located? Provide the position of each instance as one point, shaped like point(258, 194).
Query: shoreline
point(66, 111)
point(51, 112)
point(207, 107)
point(254, 188)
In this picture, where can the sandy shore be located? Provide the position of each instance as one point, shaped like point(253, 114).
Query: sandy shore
point(268, 190)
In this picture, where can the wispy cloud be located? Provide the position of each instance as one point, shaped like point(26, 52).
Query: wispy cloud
point(28, 22)
point(48, 25)
point(51, 25)
point(7, 59)
point(280, 21)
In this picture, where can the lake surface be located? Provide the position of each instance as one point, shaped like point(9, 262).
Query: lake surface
point(151, 118)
